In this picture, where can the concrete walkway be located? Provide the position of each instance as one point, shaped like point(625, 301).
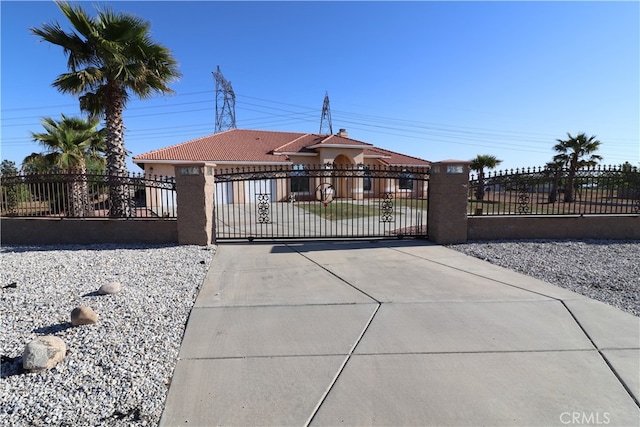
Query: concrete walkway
point(396, 333)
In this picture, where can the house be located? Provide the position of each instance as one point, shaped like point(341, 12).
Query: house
point(298, 152)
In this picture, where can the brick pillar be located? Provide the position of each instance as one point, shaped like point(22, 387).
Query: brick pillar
point(448, 188)
point(195, 187)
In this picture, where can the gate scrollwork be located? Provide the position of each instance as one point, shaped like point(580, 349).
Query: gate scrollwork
point(264, 216)
point(386, 208)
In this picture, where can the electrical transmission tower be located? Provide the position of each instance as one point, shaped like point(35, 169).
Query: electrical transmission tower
point(325, 120)
point(225, 103)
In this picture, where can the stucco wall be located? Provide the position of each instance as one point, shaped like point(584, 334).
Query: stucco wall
point(47, 231)
point(159, 169)
point(553, 227)
point(350, 156)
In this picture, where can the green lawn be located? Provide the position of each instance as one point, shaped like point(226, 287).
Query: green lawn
point(420, 204)
point(336, 211)
point(340, 210)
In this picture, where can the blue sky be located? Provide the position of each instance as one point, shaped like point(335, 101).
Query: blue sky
point(436, 80)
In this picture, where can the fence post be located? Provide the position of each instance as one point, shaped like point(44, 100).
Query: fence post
point(194, 187)
point(448, 192)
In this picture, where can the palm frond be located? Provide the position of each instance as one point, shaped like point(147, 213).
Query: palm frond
point(93, 103)
point(73, 83)
point(81, 22)
point(68, 142)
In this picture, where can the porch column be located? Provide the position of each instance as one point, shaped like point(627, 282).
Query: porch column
point(357, 185)
point(448, 192)
point(195, 187)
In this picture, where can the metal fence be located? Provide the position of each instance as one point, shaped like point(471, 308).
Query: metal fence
point(601, 190)
point(79, 195)
point(326, 201)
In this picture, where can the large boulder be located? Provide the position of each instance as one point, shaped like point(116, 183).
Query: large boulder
point(43, 353)
point(83, 315)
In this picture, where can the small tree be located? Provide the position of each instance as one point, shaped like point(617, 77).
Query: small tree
point(625, 179)
point(575, 153)
point(478, 164)
point(10, 189)
point(8, 168)
point(70, 144)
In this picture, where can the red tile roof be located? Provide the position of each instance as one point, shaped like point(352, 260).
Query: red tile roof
point(392, 158)
point(232, 145)
point(241, 145)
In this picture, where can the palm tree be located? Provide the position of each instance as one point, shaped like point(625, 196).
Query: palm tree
point(70, 145)
point(555, 168)
point(573, 154)
point(478, 164)
point(110, 57)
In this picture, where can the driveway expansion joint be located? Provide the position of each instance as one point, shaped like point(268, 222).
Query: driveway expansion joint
point(331, 304)
point(604, 358)
point(574, 350)
point(623, 382)
point(478, 275)
point(268, 356)
point(342, 367)
point(336, 276)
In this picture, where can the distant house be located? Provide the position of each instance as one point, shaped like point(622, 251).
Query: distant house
point(241, 148)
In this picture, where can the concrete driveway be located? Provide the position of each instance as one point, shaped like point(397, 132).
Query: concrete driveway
point(396, 333)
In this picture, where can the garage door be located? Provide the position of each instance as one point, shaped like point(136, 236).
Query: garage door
point(264, 187)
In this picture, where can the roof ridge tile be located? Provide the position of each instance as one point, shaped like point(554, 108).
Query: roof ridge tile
point(291, 142)
point(399, 154)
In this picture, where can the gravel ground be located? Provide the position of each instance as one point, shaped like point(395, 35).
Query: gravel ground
point(605, 270)
point(116, 371)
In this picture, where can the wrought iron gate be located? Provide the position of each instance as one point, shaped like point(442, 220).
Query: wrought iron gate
point(327, 201)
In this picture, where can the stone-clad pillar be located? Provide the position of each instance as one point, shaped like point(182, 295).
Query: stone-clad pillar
point(195, 187)
point(448, 192)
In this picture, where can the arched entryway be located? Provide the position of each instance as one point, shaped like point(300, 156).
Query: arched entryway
point(340, 182)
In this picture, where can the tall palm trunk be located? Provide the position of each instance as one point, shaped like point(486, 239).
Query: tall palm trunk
point(79, 203)
point(568, 190)
point(116, 156)
point(553, 194)
point(480, 189)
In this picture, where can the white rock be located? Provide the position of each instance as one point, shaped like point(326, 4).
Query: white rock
point(43, 353)
point(110, 288)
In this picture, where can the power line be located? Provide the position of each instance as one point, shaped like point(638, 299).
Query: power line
point(4, 110)
point(465, 135)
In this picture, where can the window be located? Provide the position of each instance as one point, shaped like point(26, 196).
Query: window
point(367, 184)
point(406, 181)
point(299, 179)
